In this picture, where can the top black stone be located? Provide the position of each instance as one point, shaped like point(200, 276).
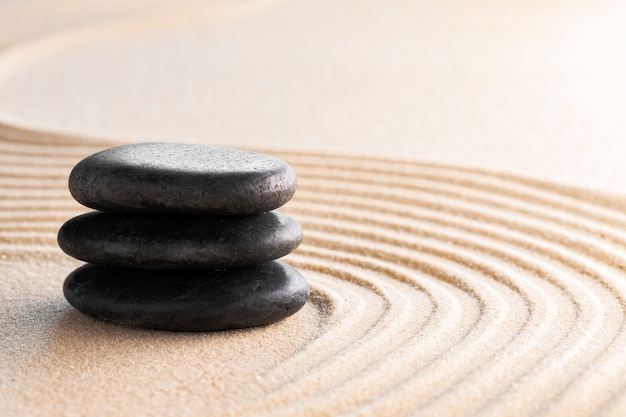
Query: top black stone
point(176, 177)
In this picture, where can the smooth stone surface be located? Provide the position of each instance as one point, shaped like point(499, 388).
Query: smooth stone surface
point(178, 240)
point(175, 177)
point(188, 300)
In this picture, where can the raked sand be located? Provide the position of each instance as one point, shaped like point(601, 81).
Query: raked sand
point(459, 184)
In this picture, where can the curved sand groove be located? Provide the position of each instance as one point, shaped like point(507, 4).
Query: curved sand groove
point(437, 290)
point(553, 334)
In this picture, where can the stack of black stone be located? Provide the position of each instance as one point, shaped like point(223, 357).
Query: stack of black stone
point(184, 238)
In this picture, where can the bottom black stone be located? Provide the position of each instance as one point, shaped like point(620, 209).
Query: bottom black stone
point(188, 300)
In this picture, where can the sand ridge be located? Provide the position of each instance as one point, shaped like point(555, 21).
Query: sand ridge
point(437, 290)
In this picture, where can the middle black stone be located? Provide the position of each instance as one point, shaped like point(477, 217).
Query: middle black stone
point(148, 240)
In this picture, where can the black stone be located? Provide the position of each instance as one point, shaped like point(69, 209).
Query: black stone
point(178, 240)
point(175, 177)
point(188, 300)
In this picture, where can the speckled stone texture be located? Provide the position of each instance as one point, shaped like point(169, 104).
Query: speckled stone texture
point(188, 300)
point(178, 240)
point(184, 238)
point(182, 178)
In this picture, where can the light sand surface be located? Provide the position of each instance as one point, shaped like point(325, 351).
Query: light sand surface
point(460, 187)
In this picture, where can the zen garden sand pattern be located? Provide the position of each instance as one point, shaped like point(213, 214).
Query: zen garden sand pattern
point(464, 232)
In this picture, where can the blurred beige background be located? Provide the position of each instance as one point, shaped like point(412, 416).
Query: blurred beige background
point(533, 87)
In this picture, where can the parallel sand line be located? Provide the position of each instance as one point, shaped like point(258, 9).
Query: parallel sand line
point(578, 231)
point(578, 221)
point(461, 174)
point(523, 204)
point(477, 222)
point(378, 237)
point(446, 290)
point(330, 389)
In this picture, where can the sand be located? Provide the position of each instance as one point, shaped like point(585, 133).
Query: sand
point(460, 182)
